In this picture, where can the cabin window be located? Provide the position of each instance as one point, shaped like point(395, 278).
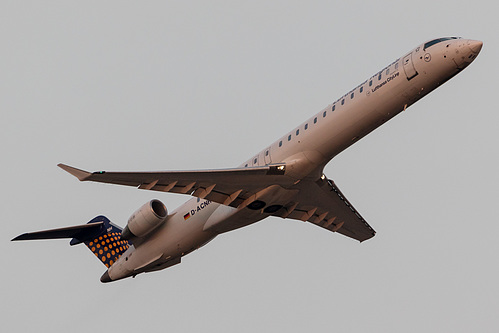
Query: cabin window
point(246, 165)
point(342, 101)
point(289, 137)
point(351, 96)
point(297, 132)
point(267, 153)
point(388, 71)
point(280, 143)
point(324, 114)
point(396, 66)
point(315, 120)
point(334, 107)
point(379, 76)
point(370, 83)
point(306, 126)
point(361, 89)
point(255, 160)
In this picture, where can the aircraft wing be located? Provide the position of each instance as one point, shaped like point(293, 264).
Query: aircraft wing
point(319, 202)
point(322, 203)
point(230, 187)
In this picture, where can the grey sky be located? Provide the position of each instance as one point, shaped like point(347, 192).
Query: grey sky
point(157, 85)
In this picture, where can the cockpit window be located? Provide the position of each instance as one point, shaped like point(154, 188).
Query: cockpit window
point(436, 41)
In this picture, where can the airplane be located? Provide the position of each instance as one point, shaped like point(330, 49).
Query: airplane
point(285, 179)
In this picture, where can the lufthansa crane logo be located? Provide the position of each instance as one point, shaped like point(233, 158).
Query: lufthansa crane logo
point(427, 57)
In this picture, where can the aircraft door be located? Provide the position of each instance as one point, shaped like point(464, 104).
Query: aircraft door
point(410, 70)
point(266, 156)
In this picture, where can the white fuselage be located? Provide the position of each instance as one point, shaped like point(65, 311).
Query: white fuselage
point(308, 148)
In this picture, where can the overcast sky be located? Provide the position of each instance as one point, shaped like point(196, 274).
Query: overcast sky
point(170, 85)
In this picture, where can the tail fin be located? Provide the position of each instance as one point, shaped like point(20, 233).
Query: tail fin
point(106, 245)
point(100, 235)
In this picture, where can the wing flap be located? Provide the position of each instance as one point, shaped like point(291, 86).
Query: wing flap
point(323, 204)
point(225, 186)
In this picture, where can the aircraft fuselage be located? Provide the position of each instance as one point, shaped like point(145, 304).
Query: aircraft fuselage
point(305, 150)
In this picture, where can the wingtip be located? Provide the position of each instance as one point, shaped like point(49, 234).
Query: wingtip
point(80, 174)
point(17, 238)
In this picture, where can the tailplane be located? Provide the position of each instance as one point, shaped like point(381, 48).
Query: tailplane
point(100, 235)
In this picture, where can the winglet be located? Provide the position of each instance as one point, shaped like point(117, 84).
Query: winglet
point(80, 174)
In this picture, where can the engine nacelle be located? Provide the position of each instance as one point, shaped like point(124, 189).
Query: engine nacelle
point(145, 219)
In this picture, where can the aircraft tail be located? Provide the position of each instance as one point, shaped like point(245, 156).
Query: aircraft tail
point(106, 244)
point(100, 235)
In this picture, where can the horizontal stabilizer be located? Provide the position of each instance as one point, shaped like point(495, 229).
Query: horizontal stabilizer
point(80, 232)
point(101, 237)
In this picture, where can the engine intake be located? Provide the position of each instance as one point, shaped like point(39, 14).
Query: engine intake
point(145, 219)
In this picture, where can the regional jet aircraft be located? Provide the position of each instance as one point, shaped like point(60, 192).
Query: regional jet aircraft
point(285, 179)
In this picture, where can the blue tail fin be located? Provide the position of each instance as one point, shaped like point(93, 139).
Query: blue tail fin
point(106, 243)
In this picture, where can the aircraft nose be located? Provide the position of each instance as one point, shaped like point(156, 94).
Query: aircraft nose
point(464, 51)
point(475, 45)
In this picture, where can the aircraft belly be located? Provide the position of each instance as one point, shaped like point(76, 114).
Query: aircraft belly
point(239, 219)
point(164, 248)
point(185, 234)
point(229, 218)
point(350, 129)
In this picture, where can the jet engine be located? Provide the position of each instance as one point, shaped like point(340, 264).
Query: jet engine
point(145, 219)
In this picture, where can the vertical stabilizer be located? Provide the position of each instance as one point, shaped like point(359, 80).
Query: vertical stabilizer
point(106, 245)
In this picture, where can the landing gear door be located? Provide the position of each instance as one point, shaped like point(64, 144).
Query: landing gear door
point(410, 70)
